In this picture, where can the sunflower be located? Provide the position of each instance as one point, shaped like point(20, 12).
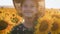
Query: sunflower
point(12, 21)
point(44, 25)
point(2, 14)
point(3, 26)
point(9, 17)
point(55, 29)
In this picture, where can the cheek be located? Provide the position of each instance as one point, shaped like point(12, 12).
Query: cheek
point(34, 10)
point(23, 9)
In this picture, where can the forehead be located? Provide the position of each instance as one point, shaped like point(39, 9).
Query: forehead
point(29, 2)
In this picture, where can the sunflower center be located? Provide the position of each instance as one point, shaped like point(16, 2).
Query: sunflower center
point(55, 26)
point(3, 25)
point(43, 26)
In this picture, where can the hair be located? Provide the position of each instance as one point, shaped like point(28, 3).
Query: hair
point(19, 1)
point(22, 1)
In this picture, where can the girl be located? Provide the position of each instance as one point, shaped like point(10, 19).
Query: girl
point(28, 9)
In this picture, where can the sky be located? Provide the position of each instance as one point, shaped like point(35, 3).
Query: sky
point(48, 3)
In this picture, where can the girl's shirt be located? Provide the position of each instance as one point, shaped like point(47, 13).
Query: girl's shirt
point(21, 29)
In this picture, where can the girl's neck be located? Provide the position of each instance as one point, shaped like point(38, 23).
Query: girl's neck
point(29, 22)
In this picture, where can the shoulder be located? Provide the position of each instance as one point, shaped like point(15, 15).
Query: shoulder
point(20, 26)
point(16, 29)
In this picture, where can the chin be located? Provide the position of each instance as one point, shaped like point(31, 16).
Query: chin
point(28, 16)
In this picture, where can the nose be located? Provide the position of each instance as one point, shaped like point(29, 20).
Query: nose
point(28, 8)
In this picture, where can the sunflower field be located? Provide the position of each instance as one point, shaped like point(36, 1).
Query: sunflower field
point(49, 23)
point(8, 19)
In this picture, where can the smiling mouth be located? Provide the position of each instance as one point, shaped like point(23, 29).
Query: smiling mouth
point(28, 12)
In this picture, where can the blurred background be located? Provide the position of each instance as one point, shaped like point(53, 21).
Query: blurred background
point(9, 17)
point(48, 3)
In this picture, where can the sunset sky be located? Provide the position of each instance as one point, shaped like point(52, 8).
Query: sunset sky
point(48, 3)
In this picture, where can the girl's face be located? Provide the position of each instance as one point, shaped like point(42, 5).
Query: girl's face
point(29, 8)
